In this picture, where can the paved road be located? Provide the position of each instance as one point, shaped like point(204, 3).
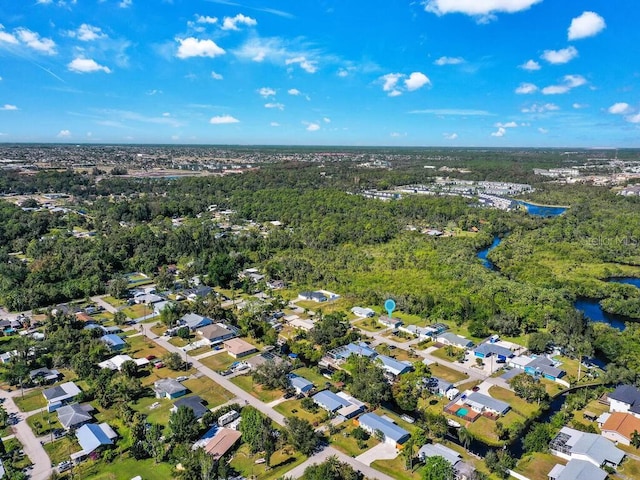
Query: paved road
point(31, 445)
point(107, 306)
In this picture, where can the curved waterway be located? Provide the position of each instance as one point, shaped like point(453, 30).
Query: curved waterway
point(542, 210)
point(626, 280)
point(482, 254)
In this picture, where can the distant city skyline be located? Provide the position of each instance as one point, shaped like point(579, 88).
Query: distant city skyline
point(450, 73)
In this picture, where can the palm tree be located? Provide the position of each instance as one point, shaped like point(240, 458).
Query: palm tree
point(465, 437)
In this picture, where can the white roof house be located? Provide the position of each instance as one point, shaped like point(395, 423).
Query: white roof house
point(572, 444)
point(60, 394)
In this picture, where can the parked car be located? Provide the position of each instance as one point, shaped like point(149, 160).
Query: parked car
point(158, 365)
point(150, 357)
point(182, 378)
point(64, 466)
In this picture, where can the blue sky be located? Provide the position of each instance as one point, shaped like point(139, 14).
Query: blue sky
point(324, 72)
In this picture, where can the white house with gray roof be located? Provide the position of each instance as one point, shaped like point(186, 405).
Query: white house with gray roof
point(481, 403)
point(577, 470)
point(60, 394)
point(572, 444)
point(448, 338)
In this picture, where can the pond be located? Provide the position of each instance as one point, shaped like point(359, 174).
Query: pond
point(482, 254)
point(542, 210)
point(626, 280)
point(593, 311)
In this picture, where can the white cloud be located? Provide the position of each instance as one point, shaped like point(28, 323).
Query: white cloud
point(192, 47)
point(294, 92)
point(86, 65)
point(557, 57)
point(449, 61)
point(573, 81)
point(308, 66)
point(64, 134)
point(398, 134)
point(395, 93)
point(153, 92)
point(125, 3)
point(484, 10)
point(313, 127)
point(450, 136)
point(390, 81)
point(586, 25)
point(266, 92)
point(34, 41)
point(279, 106)
point(216, 76)
point(206, 19)
point(633, 118)
point(619, 108)
point(569, 82)
point(555, 90)
point(231, 23)
point(537, 108)
point(499, 133)
point(326, 120)
point(530, 65)
point(544, 131)
point(166, 114)
point(7, 107)
point(6, 37)
point(579, 106)
point(223, 119)
point(87, 33)
point(416, 80)
point(506, 125)
point(453, 111)
point(274, 124)
point(343, 72)
point(526, 88)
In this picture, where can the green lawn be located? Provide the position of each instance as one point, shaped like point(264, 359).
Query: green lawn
point(311, 375)
point(23, 461)
point(442, 353)
point(43, 423)
point(159, 329)
point(396, 468)
point(140, 346)
point(536, 466)
point(281, 462)
point(369, 324)
point(447, 373)
point(344, 442)
point(124, 468)
point(137, 311)
point(219, 361)
point(199, 351)
point(246, 383)
point(60, 450)
point(293, 408)
point(114, 302)
point(179, 342)
point(30, 401)
point(518, 404)
point(210, 391)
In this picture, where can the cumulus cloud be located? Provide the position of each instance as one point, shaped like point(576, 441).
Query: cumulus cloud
point(308, 66)
point(541, 108)
point(449, 61)
point(619, 108)
point(216, 76)
point(326, 120)
point(633, 118)
point(231, 23)
point(7, 107)
point(530, 65)
point(483, 10)
point(453, 111)
point(450, 136)
point(87, 33)
point(86, 65)
point(6, 37)
point(586, 25)
point(294, 92)
point(390, 80)
point(266, 92)
point(125, 3)
point(416, 80)
point(192, 47)
point(223, 119)
point(568, 82)
point(526, 89)
point(499, 133)
point(279, 106)
point(64, 134)
point(506, 125)
point(555, 90)
point(313, 127)
point(544, 131)
point(35, 42)
point(579, 106)
point(206, 19)
point(563, 55)
point(274, 124)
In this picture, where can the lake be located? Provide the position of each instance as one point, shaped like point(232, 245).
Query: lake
point(482, 254)
point(626, 280)
point(593, 311)
point(542, 210)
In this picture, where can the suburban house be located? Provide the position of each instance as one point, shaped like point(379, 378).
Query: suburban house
point(44, 375)
point(262, 358)
point(252, 274)
point(344, 352)
point(115, 363)
point(194, 402)
point(169, 388)
point(392, 366)
point(625, 399)
point(194, 293)
point(390, 322)
point(537, 367)
point(60, 395)
point(238, 348)
point(276, 284)
point(481, 403)
point(577, 470)
point(572, 444)
point(75, 415)
point(437, 386)
point(113, 341)
point(449, 338)
point(338, 404)
point(314, 296)
point(194, 321)
point(216, 333)
point(393, 434)
point(619, 427)
point(147, 298)
point(488, 349)
point(300, 384)
point(91, 438)
point(423, 333)
point(363, 312)
point(462, 470)
point(222, 442)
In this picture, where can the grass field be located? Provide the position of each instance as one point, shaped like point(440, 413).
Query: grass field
point(518, 404)
point(124, 468)
point(246, 383)
point(210, 391)
point(60, 450)
point(442, 354)
point(536, 466)
point(114, 302)
point(293, 408)
point(219, 361)
point(140, 346)
point(369, 324)
point(137, 311)
point(396, 468)
point(344, 442)
point(30, 401)
point(282, 461)
point(43, 423)
point(311, 375)
point(447, 373)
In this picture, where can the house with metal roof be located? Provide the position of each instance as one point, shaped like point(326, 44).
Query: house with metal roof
point(314, 296)
point(195, 403)
point(437, 386)
point(344, 352)
point(577, 470)
point(300, 384)
point(422, 333)
point(60, 395)
point(113, 341)
point(195, 321)
point(390, 322)
point(393, 434)
point(363, 312)
point(91, 437)
point(44, 375)
point(545, 367)
point(572, 444)
point(481, 403)
point(169, 388)
point(448, 338)
point(74, 415)
point(116, 362)
point(329, 401)
point(392, 366)
point(625, 399)
point(488, 349)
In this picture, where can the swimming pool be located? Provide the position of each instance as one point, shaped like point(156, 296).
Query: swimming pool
point(462, 412)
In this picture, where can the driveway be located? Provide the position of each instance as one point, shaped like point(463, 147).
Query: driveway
point(382, 451)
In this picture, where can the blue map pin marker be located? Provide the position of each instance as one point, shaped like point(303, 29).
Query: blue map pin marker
point(390, 306)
